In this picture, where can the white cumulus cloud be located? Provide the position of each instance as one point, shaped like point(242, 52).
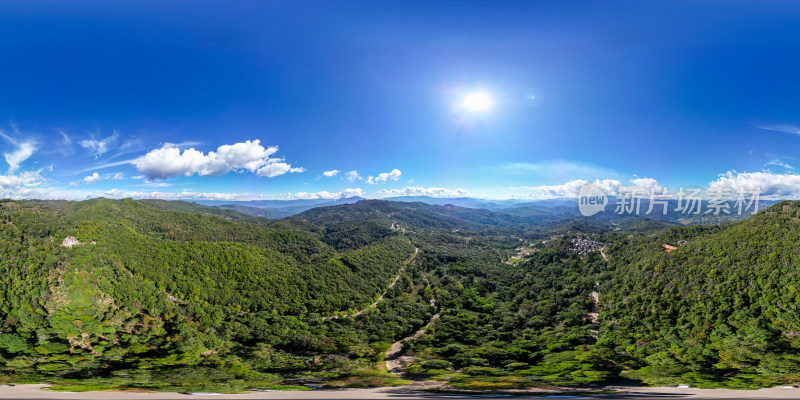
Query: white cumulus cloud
point(648, 184)
point(767, 183)
point(22, 185)
point(352, 176)
point(93, 178)
point(276, 168)
point(331, 173)
point(384, 177)
point(25, 179)
point(251, 156)
point(611, 187)
point(567, 189)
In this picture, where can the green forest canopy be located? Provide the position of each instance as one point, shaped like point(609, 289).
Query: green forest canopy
point(170, 296)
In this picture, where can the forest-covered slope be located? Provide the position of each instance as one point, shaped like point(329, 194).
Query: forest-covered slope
point(169, 287)
point(185, 206)
point(415, 215)
point(168, 297)
point(724, 306)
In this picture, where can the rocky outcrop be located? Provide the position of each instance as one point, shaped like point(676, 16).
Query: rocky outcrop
point(70, 241)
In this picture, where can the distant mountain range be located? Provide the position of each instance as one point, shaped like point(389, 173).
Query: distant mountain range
point(542, 209)
point(275, 209)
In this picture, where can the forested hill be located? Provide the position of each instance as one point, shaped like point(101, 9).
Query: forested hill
point(142, 281)
point(216, 263)
point(175, 296)
point(724, 306)
point(227, 211)
point(185, 206)
point(415, 215)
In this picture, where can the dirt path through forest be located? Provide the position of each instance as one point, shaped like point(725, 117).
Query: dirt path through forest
point(595, 295)
point(375, 303)
point(395, 362)
point(595, 310)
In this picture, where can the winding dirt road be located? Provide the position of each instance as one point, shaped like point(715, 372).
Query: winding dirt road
point(375, 303)
point(395, 362)
point(595, 314)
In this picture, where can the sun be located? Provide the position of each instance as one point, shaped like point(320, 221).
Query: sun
point(477, 101)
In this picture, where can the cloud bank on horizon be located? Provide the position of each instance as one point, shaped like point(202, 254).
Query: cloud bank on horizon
point(169, 163)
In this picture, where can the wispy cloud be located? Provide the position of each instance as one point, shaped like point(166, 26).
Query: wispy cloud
point(98, 147)
point(778, 163)
point(352, 176)
point(65, 138)
point(22, 151)
point(554, 169)
point(127, 147)
point(66, 147)
point(155, 184)
point(785, 128)
point(107, 165)
point(184, 145)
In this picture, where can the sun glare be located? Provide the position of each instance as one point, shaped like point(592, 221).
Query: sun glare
point(477, 102)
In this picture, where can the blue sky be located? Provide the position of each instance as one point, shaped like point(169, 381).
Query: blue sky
point(258, 99)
